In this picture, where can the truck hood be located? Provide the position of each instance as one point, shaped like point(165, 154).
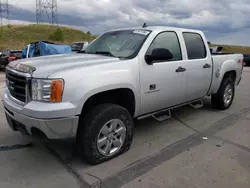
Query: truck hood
point(47, 65)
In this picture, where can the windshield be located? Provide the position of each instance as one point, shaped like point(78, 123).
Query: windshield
point(122, 44)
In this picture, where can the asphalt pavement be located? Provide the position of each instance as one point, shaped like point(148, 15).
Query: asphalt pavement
point(200, 148)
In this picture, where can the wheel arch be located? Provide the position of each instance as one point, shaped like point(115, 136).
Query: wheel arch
point(121, 93)
point(228, 74)
point(217, 82)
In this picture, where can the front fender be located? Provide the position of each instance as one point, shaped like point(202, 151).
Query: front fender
point(109, 87)
point(83, 83)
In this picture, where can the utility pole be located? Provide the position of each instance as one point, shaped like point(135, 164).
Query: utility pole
point(46, 11)
point(4, 12)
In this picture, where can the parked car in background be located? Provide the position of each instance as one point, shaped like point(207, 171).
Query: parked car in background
point(246, 59)
point(94, 95)
point(44, 48)
point(78, 46)
point(8, 56)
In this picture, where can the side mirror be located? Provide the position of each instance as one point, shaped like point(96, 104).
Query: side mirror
point(159, 54)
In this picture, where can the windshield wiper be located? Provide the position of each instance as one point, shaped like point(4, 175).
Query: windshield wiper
point(82, 51)
point(101, 53)
point(105, 53)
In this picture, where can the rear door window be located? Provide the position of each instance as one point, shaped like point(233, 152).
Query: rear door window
point(195, 46)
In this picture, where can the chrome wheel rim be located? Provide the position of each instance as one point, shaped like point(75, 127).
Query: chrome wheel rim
point(111, 137)
point(228, 94)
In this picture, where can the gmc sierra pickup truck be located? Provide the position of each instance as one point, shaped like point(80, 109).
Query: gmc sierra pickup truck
point(94, 95)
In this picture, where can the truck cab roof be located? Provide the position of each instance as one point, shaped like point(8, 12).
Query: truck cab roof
point(159, 29)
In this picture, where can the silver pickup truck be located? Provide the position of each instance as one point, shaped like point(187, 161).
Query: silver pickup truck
point(124, 74)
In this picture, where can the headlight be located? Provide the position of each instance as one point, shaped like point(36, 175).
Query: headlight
point(47, 90)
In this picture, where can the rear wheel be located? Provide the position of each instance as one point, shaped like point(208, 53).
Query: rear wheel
point(223, 99)
point(105, 132)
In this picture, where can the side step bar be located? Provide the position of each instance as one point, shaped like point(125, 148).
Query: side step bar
point(197, 104)
point(165, 114)
point(162, 116)
point(159, 115)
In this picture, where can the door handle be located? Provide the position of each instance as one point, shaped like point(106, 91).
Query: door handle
point(180, 69)
point(206, 66)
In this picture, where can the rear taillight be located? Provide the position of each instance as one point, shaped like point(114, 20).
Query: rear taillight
point(242, 65)
point(241, 61)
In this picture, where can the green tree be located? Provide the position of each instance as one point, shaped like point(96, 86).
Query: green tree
point(57, 35)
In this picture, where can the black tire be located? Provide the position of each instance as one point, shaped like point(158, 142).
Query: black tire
point(217, 99)
point(90, 126)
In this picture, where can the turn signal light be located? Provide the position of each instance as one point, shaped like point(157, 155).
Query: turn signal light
point(56, 91)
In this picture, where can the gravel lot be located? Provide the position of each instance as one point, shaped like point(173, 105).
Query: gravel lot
point(196, 148)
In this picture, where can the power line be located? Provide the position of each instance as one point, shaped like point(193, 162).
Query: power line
point(47, 11)
point(4, 12)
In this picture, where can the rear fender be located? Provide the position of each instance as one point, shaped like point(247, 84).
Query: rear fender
point(227, 66)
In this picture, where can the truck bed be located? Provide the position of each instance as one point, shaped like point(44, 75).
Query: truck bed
point(222, 53)
point(219, 59)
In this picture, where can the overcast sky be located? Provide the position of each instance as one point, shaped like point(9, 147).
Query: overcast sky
point(224, 21)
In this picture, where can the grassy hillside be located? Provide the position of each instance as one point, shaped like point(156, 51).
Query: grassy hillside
point(18, 36)
point(234, 49)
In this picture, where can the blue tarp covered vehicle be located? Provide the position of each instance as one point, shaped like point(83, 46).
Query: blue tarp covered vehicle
point(44, 48)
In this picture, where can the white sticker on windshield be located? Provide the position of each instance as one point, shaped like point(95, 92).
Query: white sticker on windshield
point(142, 32)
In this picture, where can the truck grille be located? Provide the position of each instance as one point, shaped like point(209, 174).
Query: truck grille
point(16, 85)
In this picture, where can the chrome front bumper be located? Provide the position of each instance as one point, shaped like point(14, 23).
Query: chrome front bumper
point(55, 121)
point(52, 128)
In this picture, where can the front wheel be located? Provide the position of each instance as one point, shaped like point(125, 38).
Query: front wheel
point(105, 132)
point(224, 97)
